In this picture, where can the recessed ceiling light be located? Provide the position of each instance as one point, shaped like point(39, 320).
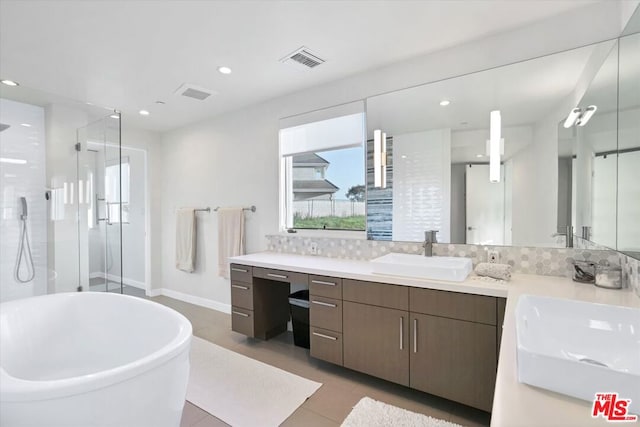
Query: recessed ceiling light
point(160, 102)
point(144, 112)
point(27, 125)
point(114, 116)
point(10, 83)
point(445, 102)
point(479, 155)
point(224, 70)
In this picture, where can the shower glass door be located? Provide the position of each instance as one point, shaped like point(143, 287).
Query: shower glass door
point(103, 181)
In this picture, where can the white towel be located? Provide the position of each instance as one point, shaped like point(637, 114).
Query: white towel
point(230, 237)
point(186, 239)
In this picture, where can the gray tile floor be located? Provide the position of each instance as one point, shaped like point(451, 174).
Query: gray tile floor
point(98, 285)
point(341, 390)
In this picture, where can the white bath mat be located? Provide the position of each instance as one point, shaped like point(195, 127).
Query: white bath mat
point(371, 413)
point(242, 391)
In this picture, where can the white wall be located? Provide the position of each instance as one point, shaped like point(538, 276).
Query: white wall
point(535, 187)
point(22, 180)
point(232, 159)
point(628, 202)
point(150, 143)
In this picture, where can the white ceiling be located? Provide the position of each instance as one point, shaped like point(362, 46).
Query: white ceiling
point(128, 54)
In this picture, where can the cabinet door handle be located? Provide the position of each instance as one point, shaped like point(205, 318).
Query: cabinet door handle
point(277, 276)
point(325, 304)
point(244, 288)
point(321, 282)
point(239, 270)
point(325, 336)
point(240, 314)
point(415, 335)
point(401, 333)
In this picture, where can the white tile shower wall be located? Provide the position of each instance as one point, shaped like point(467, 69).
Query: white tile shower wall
point(25, 177)
point(421, 177)
point(526, 260)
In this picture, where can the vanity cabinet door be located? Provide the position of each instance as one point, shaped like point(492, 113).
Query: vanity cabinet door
point(242, 295)
point(376, 341)
point(502, 305)
point(241, 273)
point(325, 313)
point(454, 359)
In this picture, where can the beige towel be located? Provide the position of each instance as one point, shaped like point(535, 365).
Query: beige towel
point(497, 271)
point(186, 239)
point(230, 237)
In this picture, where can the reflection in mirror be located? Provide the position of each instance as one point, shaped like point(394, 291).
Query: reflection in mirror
point(593, 161)
point(628, 219)
point(438, 166)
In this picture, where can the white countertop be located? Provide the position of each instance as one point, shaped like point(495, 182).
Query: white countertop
point(514, 404)
point(361, 270)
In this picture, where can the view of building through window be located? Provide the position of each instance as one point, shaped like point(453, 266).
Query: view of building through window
point(328, 189)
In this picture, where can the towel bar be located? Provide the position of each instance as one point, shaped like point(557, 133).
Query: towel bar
point(251, 208)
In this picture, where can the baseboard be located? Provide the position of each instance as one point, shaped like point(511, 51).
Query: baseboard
point(116, 278)
point(191, 299)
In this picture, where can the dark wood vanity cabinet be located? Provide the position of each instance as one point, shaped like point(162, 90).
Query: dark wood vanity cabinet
point(325, 318)
point(453, 349)
point(259, 309)
point(376, 329)
point(440, 342)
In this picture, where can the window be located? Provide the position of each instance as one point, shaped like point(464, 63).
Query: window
point(323, 174)
point(112, 190)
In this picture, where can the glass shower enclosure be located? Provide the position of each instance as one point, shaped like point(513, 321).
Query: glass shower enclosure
point(103, 213)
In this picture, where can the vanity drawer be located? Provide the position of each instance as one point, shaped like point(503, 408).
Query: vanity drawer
point(242, 294)
point(454, 305)
point(241, 273)
point(281, 275)
point(242, 321)
point(372, 293)
point(326, 345)
point(325, 313)
point(325, 286)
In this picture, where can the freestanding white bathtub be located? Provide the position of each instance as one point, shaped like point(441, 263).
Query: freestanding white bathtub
point(92, 359)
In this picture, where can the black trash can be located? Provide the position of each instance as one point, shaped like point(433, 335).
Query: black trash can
point(299, 305)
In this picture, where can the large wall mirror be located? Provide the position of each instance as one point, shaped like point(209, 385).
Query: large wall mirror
point(437, 140)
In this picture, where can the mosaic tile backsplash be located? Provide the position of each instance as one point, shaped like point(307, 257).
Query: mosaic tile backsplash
point(526, 260)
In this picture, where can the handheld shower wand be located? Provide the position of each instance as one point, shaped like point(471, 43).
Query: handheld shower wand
point(24, 250)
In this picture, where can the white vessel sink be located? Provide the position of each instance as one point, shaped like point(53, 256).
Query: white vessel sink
point(455, 269)
point(579, 348)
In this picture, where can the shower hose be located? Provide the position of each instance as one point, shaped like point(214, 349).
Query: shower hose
point(24, 252)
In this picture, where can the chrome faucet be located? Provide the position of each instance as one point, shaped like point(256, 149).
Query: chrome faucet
point(429, 240)
point(568, 234)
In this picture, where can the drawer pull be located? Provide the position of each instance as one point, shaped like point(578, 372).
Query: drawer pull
point(277, 276)
point(244, 288)
point(325, 336)
point(325, 304)
point(240, 314)
point(415, 335)
point(401, 333)
point(239, 270)
point(321, 282)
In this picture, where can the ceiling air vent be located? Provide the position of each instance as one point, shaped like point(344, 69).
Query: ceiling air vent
point(195, 92)
point(302, 58)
